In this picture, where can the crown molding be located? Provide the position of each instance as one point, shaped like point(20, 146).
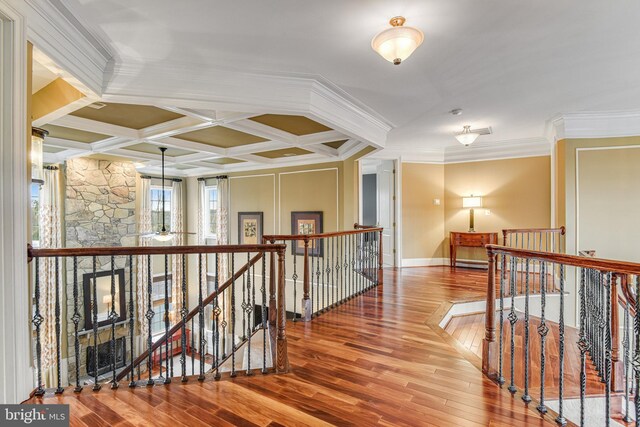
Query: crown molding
point(594, 124)
point(55, 32)
point(201, 88)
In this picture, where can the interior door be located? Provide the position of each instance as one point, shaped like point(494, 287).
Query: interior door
point(386, 210)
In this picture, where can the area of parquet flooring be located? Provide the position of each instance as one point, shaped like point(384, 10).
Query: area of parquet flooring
point(378, 359)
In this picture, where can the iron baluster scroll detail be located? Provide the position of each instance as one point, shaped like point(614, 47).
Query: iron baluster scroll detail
point(183, 316)
point(583, 343)
point(636, 356)
point(149, 316)
point(501, 320)
point(513, 319)
point(526, 397)
point(76, 320)
point(96, 385)
point(113, 317)
point(132, 383)
point(561, 419)
point(37, 321)
point(543, 330)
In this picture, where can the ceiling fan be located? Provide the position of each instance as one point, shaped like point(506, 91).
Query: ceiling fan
point(163, 235)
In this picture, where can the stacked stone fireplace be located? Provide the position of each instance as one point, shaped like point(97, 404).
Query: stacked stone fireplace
point(100, 207)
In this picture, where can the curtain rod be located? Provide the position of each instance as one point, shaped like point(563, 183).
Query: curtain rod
point(213, 177)
point(159, 177)
point(51, 167)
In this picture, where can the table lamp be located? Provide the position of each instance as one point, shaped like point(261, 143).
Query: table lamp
point(470, 203)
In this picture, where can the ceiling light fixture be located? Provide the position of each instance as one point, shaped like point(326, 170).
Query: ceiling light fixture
point(396, 44)
point(467, 136)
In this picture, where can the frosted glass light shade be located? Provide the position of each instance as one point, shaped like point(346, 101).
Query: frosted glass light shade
point(472, 202)
point(37, 141)
point(467, 137)
point(163, 236)
point(397, 43)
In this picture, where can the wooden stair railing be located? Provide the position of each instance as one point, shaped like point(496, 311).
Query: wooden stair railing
point(536, 239)
point(122, 321)
point(595, 282)
point(337, 266)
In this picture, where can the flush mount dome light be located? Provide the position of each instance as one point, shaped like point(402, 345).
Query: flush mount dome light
point(397, 43)
point(467, 136)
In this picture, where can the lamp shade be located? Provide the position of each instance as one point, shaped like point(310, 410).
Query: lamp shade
point(163, 236)
point(472, 202)
point(397, 43)
point(37, 141)
point(467, 137)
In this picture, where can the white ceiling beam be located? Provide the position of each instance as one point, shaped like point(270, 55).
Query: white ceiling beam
point(258, 147)
point(227, 117)
point(112, 144)
point(322, 150)
point(183, 144)
point(351, 148)
point(95, 126)
point(263, 131)
point(142, 155)
point(190, 113)
point(194, 158)
point(173, 127)
point(64, 110)
point(254, 159)
point(320, 137)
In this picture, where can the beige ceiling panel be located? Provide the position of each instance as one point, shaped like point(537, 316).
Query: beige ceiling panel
point(335, 144)
point(127, 115)
point(154, 149)
point(220, 136)
point(73, 134)
point(285, 152)
point(297, 125)
point(224, 161)
point(49, 149)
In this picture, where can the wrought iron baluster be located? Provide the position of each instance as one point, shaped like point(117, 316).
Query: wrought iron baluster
point(167, 380)
point(58, 331)
point(243, 304)
point(636, 356)
point(193, 344)
point(132, 382)
point(76, 319)
point(249, 309)
point(336, 270)
point(583, 344)
point(560, 418)
point(312, 274)
point(608, 284)
point(96, 385)
point(233, 317)
point(513, 319)
point(526, 397)
point(543, 330)
point(215, 331)
point(201, 337)
point(183, 316)
point(263, 289)
point(340, 278)
point(37, 321)
point(113, 316)
point(294, 277)
point(324, 283)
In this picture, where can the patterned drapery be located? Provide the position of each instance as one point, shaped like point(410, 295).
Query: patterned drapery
point(177, 270)
point(50, 237)
point(144, 224)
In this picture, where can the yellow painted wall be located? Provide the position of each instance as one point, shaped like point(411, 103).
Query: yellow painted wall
point(617, 167)
point(516, 191)
point(53, 97)
point(422, 221)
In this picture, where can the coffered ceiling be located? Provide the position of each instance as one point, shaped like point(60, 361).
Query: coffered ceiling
point(198, 142)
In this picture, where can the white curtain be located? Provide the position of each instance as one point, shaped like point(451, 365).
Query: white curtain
point(222, 226)
point(201, 232)
point(50, 237)
point(144, 221)
point(177, 270)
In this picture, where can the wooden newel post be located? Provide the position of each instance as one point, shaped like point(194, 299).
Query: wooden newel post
point(306, 302)
point(272, 289)
point(282, 358)
point(488, 345)
point(380, 280)
point(617, 368)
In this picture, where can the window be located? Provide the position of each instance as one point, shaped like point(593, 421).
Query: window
point(35, 214)
point(156, 208)
point(211, 211)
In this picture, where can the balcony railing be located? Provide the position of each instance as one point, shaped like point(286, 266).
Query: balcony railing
point(328, 269)
point(236, 323)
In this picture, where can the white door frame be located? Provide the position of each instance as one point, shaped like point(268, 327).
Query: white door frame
point(15, 330)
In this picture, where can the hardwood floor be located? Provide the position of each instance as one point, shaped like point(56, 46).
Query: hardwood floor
point(469, 331)
point(379, 359)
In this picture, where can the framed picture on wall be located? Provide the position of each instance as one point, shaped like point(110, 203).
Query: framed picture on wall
point(306, 223)
point(103, 297)
point(249, 228)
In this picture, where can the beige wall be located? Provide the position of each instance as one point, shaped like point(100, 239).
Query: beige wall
point(422, 221)
point(516, 191)
point(600, 162)
point(54, 96)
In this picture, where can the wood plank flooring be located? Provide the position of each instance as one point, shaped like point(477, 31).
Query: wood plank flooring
point(379, 359)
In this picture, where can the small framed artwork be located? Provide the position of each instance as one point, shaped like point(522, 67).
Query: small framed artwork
point(306, 223)
point(249, 228)
point(103, 297)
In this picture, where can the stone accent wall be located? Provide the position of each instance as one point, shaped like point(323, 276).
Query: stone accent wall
point(100, 210)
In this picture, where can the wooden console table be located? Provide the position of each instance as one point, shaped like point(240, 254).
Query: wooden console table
point(474, 240)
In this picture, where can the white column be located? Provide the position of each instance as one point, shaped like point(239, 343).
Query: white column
point(15, 363)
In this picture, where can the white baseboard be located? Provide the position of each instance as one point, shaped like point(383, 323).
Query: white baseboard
point(424, 262)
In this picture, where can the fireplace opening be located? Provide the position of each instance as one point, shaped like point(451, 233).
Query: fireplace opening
point(104, 356)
